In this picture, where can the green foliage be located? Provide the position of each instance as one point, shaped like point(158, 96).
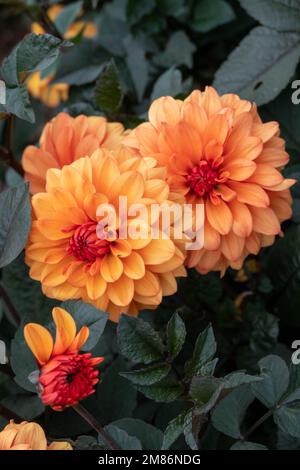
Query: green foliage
point(138, 341)
point(33, 53)
point(15, 216)
point(108, 92)
point(208, 14)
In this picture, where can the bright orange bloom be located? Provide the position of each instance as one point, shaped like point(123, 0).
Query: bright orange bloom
point(72, 261)
point(52, 94)
point(218, 153)
point(27, 436)
point(66, 377)
point(65, 139)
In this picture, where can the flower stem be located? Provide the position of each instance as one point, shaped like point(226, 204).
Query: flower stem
point(259, 422)
point(84, 413)
point(4, 295)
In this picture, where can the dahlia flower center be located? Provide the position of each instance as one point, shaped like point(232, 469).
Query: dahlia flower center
point(202, 178)
point(85, 245)
point(73, 380)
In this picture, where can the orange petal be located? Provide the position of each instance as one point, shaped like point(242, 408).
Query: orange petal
point(239, 169)
point(266, 175)
point(157, 251)
point(250, 193)
point(80, 339)
point(121, 292)
point(65, 330)
point(164, 109)
point(242, 219)
point(111, 268)
point(147, 286)
point(134, 266)
point(95, 286)
point(40, 341)
point(219, 216)
point(265, 221)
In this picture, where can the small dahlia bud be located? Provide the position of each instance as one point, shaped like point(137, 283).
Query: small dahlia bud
point(66, 376)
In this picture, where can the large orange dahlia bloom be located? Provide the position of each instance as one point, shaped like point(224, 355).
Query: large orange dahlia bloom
point(65, 139)
point(66, 254)
point(218, 153)
point(66, 377)
point(28, 436)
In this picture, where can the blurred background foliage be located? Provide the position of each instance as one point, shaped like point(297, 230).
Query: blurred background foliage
point(140, 50)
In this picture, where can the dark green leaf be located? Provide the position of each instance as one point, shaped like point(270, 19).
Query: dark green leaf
point(149, 375)
point(22, 361)
point(189, 431)
point(108, 92)
point(209, 14)
point(87, 443)
point(283, 15)
point(239, 378)
point(138, 341)
point(137, 9)
point(275, 375)
point(25, 293)
point(169, 83)
point(205, 349)
point(26, 405)
point(167, 390)
point(288, 419)
point(205, 391)
point(15, 216)
point(148, 435)
point(229, 413)
point(179, 51)
point(261, 66)
point(34, 52)
point(176, 334)
point(173, 431)
point(246, 445)
point(116, 396)
point(123, 439)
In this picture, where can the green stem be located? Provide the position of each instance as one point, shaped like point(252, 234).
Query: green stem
point(86, 415)
point(259, 423)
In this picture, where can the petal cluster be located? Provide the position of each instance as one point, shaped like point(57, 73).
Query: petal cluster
point(66, 377)
point(65, 139)
point(28, 436)
point(219, 153)
point(67, 255)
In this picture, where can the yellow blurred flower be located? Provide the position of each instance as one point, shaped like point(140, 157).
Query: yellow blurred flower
point(90, 29)
point(27, 436)
point(52, 94)
point(49, 94)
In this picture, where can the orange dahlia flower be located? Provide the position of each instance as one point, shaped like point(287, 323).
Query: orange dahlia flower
point(65, 139)
point(218, 153)
point(71, 261)
point(28, 436)
point(66, 377)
